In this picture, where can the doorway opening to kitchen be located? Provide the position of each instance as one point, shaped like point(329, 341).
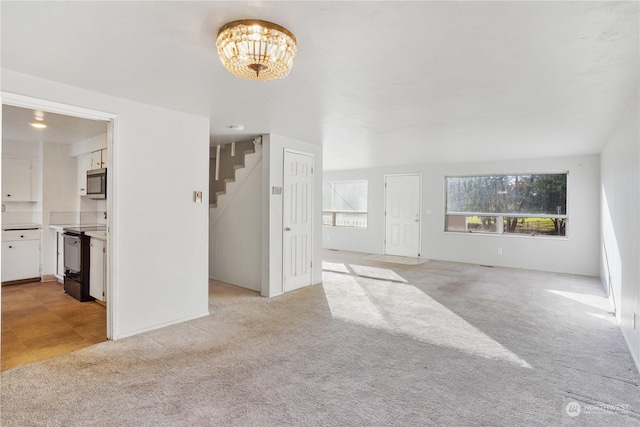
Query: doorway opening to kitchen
point(56, 282)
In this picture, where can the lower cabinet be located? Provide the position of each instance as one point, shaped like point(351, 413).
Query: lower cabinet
point(97, 269)
point(20, 255)
point(60, 256)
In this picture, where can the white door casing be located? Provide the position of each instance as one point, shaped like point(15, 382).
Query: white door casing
point(111, 285)
point(402, 215)
point(297, 219)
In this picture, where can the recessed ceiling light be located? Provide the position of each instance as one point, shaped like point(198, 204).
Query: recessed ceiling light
point(38, 125)
point(236, 127)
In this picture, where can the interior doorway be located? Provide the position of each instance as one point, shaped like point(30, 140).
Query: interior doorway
point(297, 219)
point(403, 214)
point(39, 318)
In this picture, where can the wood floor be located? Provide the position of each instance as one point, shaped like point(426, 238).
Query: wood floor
point(40, 321)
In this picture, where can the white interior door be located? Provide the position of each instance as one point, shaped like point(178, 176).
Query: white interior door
point(402, 215)
point(297, 220)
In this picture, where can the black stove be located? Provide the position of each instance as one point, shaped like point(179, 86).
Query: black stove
point(76, 260)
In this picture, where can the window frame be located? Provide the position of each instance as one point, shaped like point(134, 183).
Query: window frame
point(334, 212)
point(501, 216)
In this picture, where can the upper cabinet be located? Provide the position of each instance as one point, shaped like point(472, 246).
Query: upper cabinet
point(16, 180)
point(99, 159)
point(87, 162)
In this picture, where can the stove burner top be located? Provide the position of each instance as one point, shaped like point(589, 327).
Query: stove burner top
point(82, 228)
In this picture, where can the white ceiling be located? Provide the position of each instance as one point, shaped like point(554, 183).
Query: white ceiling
point(377, 83)
point(60, 129)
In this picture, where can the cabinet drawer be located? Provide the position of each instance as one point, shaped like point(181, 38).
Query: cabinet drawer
point(13, 235)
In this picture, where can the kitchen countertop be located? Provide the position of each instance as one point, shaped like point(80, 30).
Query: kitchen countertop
point(102, 235)
point(60, 227)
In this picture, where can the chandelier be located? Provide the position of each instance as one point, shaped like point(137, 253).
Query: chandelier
point(256, 50)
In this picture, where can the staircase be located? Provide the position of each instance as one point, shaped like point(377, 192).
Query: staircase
point(232, 172)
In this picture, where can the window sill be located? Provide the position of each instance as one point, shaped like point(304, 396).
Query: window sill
point(511, 235)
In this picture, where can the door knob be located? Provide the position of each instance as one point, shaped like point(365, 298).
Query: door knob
point(287, 229)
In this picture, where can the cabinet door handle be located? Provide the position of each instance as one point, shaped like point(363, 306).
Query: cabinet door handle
point(10, 247)
point(21, 236)
point(8, 195)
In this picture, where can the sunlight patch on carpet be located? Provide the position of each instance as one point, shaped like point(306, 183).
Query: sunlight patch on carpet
point(377, 273)
point(594, 301)
point(607, 317)
point(404, 309)
point(336, 267)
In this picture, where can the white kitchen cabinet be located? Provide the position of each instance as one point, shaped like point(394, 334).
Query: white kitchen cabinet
point(97, 269)
point(60, 256)
point(104, 158)
point(99, 159)
point(16, 180)
point(84, 164)
point(20, 255)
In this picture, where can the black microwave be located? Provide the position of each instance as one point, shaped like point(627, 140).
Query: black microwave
point(97, 183)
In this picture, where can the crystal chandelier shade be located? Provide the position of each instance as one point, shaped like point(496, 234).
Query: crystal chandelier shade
point(256, 50)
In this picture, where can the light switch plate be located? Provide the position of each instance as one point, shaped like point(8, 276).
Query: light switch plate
point(276, 190)
point(197, 196)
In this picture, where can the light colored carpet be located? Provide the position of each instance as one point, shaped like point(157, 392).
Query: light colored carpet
point(377, 273)
point(336, 267)
point(458, 345)
point(395, 259)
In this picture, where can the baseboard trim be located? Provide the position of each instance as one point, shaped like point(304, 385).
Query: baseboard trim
point(234, 284)
point(49, 278)
point(22, 281)
point(633, 355)
point(159, 326)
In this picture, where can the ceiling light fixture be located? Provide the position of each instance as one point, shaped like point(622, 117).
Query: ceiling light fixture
point(256, 50)
point(38, 125)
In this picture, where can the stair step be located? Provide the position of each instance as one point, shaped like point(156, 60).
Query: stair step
point(228, 180)
point(213, 205)
point(249, 152)
point(236, 167)
point(220, 193)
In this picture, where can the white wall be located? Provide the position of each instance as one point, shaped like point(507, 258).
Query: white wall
point(273, 147)
point(235, 252)
point(59, 195)
point(95, 143)
point(159, 236)
point(620, 204)
point(576, 254)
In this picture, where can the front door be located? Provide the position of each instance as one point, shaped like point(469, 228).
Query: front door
point(402, 215)
point(297, 219)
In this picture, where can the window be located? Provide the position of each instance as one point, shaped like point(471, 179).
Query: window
point(507, 204)
point(344, 204)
